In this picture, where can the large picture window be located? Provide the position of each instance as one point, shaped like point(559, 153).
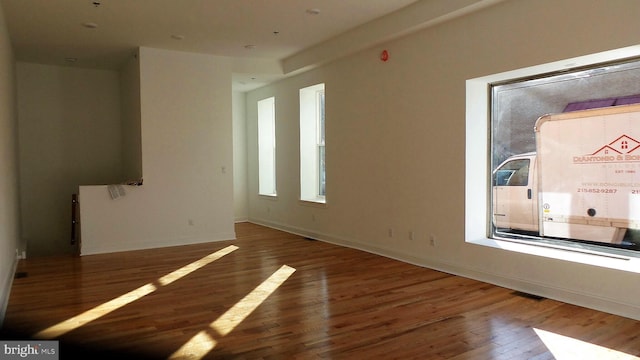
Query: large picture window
point(565, 158)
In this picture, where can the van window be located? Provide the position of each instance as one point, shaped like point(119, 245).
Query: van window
point(513, 173)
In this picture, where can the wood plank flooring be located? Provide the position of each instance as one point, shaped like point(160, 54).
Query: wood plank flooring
point(339, 303)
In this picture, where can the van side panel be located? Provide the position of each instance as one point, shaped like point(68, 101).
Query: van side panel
point(589, 173)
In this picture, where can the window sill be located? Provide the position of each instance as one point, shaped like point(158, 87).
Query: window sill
point(320, 203)
point(268, 197)
point(582, 256)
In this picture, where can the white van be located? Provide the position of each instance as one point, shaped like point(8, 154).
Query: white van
point(583, 182)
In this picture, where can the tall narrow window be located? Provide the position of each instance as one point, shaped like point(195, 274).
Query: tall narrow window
point(312, 144)
point(267, 147)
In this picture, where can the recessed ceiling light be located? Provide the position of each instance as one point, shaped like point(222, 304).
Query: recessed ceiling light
point(70, 59)
point(313, 11)
point(249, 47)
point(177, 37)
point(90, 25)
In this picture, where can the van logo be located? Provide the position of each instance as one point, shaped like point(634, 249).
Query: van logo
point(619, 150)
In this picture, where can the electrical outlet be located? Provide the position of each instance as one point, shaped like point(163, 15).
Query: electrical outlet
point(432, 240)
point(412, 235)
point(390, 232)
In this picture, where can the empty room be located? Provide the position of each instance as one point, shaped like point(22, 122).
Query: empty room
point(240, 179)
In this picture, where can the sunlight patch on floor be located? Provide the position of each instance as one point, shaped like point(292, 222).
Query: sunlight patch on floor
point(567, 348)
point(188, 269)
point(115, 304)
point(202, 343)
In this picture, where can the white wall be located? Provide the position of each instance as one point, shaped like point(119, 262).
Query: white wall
point(395, 136)
point(9, 214)
point(70, 135)
point(187, 161)
point(240, 200)
point(130, 113)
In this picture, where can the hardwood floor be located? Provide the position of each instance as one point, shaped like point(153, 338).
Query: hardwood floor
point(273, 295)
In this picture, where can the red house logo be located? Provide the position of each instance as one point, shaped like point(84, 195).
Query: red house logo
point(625, 144)
point(619, 150)
point(606, 150)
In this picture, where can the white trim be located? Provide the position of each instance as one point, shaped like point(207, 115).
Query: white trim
point(271, 197)
point(320, 203)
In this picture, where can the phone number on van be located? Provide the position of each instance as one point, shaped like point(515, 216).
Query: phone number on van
point(597, 191)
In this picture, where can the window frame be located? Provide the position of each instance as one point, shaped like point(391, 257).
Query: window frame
point(312, 143)
point(478, 162)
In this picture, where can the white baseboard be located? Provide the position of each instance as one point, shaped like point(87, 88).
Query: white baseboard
point(587, 300)
point(104, 248)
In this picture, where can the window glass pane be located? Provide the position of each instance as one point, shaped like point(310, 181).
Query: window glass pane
point(321, 177)
point(266, 147)
point(576, 185)
point(513, 173)
point(321, 117)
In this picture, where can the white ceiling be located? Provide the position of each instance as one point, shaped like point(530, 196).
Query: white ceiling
point(262, 34)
